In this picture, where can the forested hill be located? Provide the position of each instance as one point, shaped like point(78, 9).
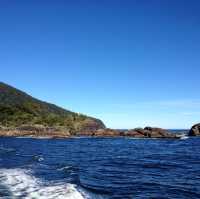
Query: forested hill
point(18, 108)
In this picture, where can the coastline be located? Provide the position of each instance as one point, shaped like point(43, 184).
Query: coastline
point(156, 133)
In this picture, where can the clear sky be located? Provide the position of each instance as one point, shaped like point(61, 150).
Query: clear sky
point(130, 63)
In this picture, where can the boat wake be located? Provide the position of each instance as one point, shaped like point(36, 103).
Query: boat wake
point(21, 184)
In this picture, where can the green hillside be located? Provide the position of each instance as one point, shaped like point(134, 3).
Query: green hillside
point(18, 108)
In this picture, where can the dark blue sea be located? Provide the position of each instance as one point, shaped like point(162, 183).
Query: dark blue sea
point(85, 168)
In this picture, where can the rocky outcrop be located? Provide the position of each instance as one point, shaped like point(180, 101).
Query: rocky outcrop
point(60, 132)
point(35, 131)
point(107, 133)
point(149, 132)
point(91, 125)
point(159, 133)
point(138, 133)
point(195, 130)
point(104, 132)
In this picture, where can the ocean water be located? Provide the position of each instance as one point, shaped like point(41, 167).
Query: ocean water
point(99, 168)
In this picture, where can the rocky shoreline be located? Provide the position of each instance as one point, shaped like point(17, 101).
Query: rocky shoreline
point(52, 132)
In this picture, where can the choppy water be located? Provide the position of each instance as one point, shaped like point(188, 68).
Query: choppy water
point(86, 168)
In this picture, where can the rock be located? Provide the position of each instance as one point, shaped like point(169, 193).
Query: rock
point(149, 132)
point(40, 130)
point(84, 133)
point(107, 133)
point(154, 132)
point(91, 125)
point(138, 133)
point(195, 130)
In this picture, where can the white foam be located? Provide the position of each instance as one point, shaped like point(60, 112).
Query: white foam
point(184, 137)
point(63, 168)
point(23, 185)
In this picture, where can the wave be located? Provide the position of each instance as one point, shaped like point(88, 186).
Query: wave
point(21, 184)
point(6, 150)
point(184, 137)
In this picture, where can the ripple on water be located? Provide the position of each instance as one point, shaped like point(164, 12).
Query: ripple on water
point(100, 168)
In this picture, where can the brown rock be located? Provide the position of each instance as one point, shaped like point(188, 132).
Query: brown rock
point(35, 131)
point(101, 133)
point(138, 132)
point(107, 133)
point(149, 132)
point(84, 133)
point(90, 125)
point(154, 132)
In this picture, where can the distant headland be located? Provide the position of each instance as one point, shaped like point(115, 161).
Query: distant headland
point(23, 115)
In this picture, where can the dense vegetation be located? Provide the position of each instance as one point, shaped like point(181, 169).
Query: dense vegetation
point(18, 108)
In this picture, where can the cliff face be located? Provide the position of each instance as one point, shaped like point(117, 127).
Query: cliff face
point(18, 109)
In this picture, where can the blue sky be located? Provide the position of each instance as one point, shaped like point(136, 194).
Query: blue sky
point(130, 63)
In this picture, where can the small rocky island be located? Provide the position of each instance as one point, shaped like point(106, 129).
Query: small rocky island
point(23, 115)
point(195, 130)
